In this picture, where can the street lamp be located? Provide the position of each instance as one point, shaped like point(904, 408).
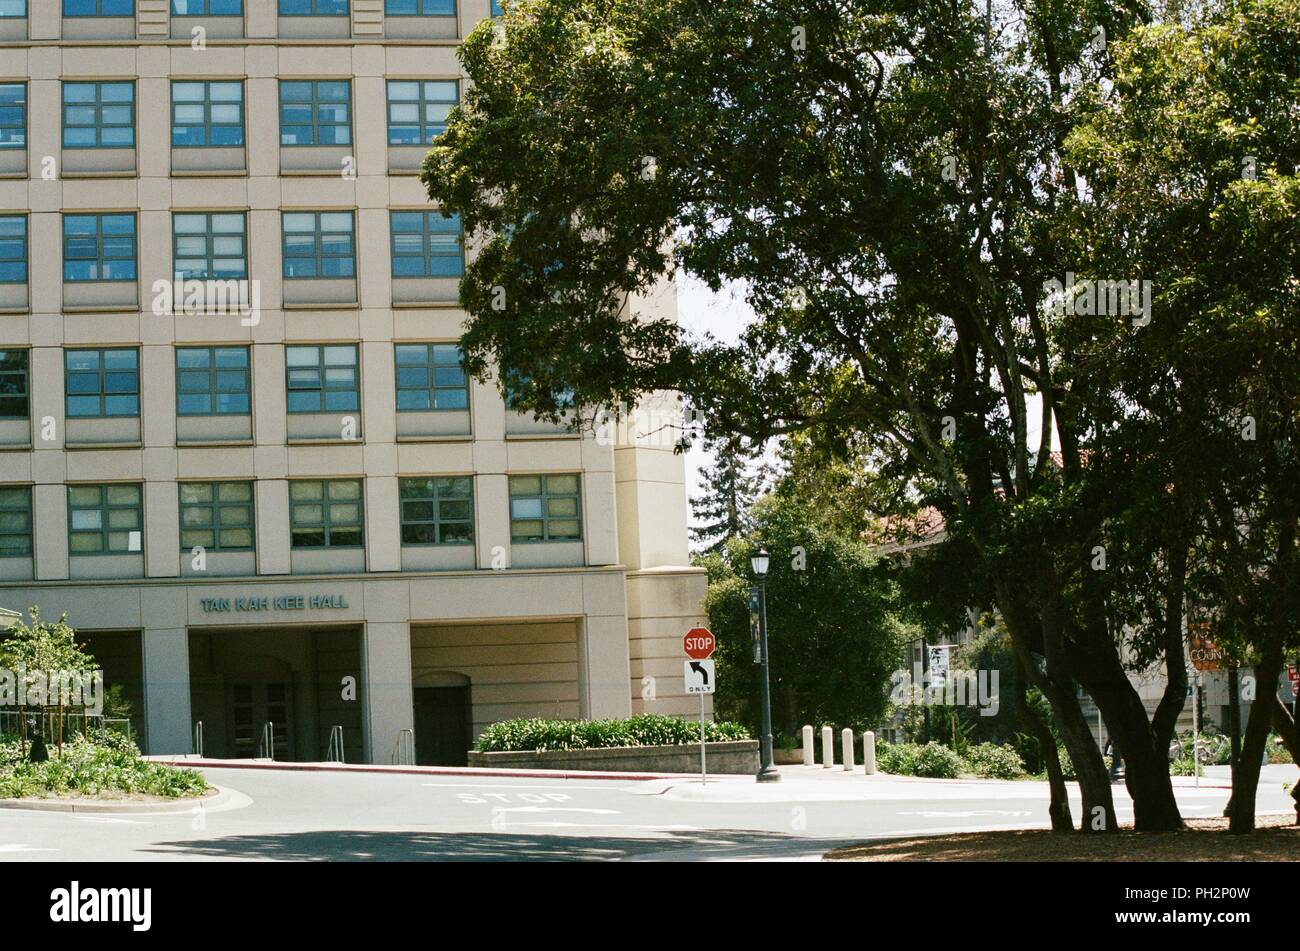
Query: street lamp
point(767, 773)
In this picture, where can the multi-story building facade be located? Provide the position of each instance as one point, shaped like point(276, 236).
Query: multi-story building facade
point(237, 446)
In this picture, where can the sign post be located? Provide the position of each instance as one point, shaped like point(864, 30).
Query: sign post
point(699, 674)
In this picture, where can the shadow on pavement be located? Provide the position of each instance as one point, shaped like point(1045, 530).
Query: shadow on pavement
point(344, 845)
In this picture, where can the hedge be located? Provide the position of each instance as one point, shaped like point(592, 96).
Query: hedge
point(527, 735)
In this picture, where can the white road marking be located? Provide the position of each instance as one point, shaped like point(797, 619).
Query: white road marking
point(21, 847)
point(503, 786)
point(112, 819)
point(594, 812)
point(967, 814)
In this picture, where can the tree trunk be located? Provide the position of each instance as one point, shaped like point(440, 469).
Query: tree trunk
point(1146, 765)
point(1245, 771)
point(1289, 730)
point(1059, 807)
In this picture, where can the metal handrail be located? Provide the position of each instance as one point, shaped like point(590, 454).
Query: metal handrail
point(404, 754)
point(268, 740)
point(198, 739)
point(335, 752)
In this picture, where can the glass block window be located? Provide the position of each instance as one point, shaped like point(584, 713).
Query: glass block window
point(545, 508)
point(207, 8)
point(313, 8)
point(216, 516)
point(99, 248)
point(326, 513)
point(99, 115)
point(210, 246)
point(13, 115)
point(430, 377)
point(105, 519)
point(13, 249)
point(15, 385)
point(417, 110)
point(212, 381)
point(319, 244)
point(102, 382)
point(437, 511)
point(322, 379)
point(15, 521)
point(99, 8)
point(315, 112)
point(207, 114)
point(426, 244)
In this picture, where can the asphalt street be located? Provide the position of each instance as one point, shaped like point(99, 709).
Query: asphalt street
point(318, 816)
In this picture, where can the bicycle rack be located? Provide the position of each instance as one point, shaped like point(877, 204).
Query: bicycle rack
point(335, 752)
point(198, 739)
point(404, 754)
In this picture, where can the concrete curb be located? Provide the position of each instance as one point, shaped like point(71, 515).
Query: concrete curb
point(219, 797)
point(193, 763)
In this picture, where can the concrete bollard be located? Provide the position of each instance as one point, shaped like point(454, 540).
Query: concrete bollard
point(828, 748)
point(869, 752)
point(846, 749)
point(809, 754)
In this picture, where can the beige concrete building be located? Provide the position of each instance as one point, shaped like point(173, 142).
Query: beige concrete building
point(272, 496)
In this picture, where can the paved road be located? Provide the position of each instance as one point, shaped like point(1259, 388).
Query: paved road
point(363, 816)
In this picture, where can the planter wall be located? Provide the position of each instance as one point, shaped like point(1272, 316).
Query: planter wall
point(734, 756)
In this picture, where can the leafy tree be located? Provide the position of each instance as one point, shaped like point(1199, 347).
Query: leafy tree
point(42, 645)
point(834, 638)
point(732, 484)
point(891, 183)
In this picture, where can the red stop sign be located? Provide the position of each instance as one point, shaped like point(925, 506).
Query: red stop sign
point(698, 643)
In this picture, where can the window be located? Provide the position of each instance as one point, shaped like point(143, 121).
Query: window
point(430, 377)
point(98, 248)
point(13, 115)
point(98, 115)
point(544, 508)
point(313, 8)
point(15, 521)
point(318, 244)
point(437, 511)
point(212, 381)
point(13, 8)
point(207, 114)
point(99, 8)
point(496, 8)
point(207, 8)
point(13, 249)
point(14, 386)
point(417, 111)
point(517, 384)
point(322, 379)
point(104, 519)
point(325, 514)
point(209, 246)
point(426, 244)
point(315, 112)
point(102, 382)
point(420, 8)
point(217, 516)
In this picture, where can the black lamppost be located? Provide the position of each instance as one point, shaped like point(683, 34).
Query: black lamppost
point(767, 773)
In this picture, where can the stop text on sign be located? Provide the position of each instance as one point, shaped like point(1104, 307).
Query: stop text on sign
point(698, 643)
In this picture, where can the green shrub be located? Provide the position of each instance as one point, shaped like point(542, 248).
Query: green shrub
point(89, 768)
point(645, 730)
point(937, 761)
point(995, 762)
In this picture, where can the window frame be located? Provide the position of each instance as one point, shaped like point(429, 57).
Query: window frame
point(545, 518)
point(213, 371)
point(316, 124)
point(98, 105)
point(29, 534)
point(25, 244)
point(419, 8)
point(98, 14)
point(209, 245)
point(421, 102)
point(100, 259)
point(207, 103)
point(431, 365)
point(214, 506)
point(26, 376)
point(322, 388)
point(207, 9)
point(347, 9)
point(101, 393)
point(327, 525)
point(104, 508)
point(21, 103)
point(16, 16)
point(427, 255)
point(437, 498)
point(318, 256)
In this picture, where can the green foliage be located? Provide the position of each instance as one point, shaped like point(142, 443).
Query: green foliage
point(994, 762)
point(88, 768)
point(730, 487)
point(42, 645)
point(643, 730)
point(941, 762)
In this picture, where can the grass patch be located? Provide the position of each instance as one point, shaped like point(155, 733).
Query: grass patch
point(1276, 838)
